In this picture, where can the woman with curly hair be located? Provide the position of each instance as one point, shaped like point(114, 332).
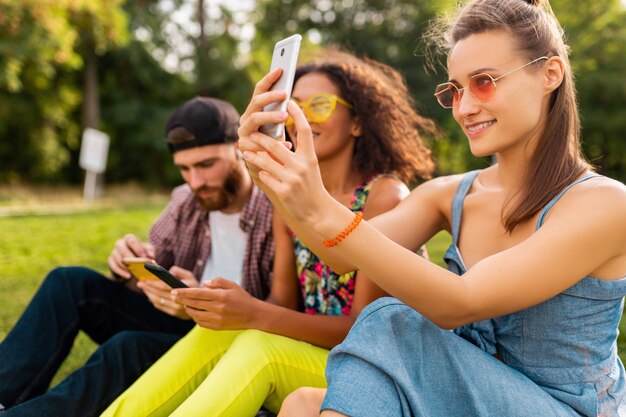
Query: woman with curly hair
point(248, 353)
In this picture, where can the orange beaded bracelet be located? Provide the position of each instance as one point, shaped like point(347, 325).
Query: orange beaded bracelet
point(345, 232)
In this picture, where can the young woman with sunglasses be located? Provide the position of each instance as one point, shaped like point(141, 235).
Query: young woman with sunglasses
point(539, 239)
point(220, 369)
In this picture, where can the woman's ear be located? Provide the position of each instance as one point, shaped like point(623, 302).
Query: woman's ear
point(554, 73)
point(355, 130)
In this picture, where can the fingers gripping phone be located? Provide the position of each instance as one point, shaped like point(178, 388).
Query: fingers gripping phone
point(164, 275)
point(285, 56)
point(135, 266)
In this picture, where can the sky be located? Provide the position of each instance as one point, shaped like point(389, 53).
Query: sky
point(183, 17)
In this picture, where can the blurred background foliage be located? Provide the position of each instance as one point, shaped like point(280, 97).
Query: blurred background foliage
point(122, 66)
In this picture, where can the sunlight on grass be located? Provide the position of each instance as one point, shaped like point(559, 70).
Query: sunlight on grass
point(437, 246)
point(33, 245)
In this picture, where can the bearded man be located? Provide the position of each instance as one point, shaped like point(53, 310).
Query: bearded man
point(217, 224)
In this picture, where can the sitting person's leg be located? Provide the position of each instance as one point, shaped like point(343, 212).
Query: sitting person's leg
point(258, 369)
point(303, 402)
point(71, 299)
point(114, 366)
point(163, 387)
point(396, 362)
point(43, 336)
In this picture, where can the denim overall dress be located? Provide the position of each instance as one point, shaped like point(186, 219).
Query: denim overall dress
point(559, 357)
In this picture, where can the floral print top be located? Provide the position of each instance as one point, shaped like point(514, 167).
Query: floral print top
point(323, 291)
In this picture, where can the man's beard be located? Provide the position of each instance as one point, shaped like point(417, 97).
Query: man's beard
point(226, 194)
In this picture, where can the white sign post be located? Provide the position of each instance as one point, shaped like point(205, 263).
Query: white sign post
point(94, 151)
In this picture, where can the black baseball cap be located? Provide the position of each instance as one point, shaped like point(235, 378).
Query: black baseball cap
point(211, 121)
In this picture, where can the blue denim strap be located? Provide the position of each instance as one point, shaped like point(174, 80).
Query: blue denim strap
point(457, 203)
point(556, 198)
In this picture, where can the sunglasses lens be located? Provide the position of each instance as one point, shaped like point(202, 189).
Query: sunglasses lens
point(447, 95)
point(482, 87)
point(320, 109)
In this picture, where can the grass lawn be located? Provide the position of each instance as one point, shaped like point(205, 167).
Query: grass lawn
point(31, 245)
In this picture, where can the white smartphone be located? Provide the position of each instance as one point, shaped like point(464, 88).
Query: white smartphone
point(285, 56)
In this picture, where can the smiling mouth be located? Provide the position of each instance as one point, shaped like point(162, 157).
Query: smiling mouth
point(479, 126)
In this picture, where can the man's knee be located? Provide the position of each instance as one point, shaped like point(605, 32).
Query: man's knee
point(71, 279)
point(119, 347)
point(133, 351)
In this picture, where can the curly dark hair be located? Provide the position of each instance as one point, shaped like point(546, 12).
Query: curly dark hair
point(391, 130)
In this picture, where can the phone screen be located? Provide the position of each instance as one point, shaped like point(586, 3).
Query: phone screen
point(165, 275)
point(285, 56)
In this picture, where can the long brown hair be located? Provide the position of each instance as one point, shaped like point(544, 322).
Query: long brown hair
point(391, 140)
point(557, 161)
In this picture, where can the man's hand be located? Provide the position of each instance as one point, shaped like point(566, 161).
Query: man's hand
point(220, 305)
point(160, 294)
point(129, 245)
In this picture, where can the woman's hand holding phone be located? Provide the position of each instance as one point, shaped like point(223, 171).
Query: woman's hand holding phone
point(285, 57)
point(267, 112)
point(160, 294)
point(291, 179)
point(221, 304)
point(254, 117)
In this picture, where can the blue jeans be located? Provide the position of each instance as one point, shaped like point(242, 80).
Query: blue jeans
point(132, 334)
point(395, 362)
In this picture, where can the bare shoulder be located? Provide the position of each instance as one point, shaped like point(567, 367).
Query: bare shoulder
point(385, 194)
point(439, 191)
point(596, 208)
point(446, 182)
point(600, 195)
point(391, 189)
point(387, 186)
point(423, 213)
point(588, 223)
point(605, 197)
point(605, 185)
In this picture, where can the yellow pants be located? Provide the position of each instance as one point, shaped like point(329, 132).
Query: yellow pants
point(223, 373)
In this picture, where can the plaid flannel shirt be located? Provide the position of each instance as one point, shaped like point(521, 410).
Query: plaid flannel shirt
point(182, 237)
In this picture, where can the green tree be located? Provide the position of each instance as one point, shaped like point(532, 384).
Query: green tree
point(136, 95)
point(596, 32)
point(39, 60)
point(217, 69)
point(46, 48)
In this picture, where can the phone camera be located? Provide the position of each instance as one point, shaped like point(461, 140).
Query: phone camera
point(282, 52)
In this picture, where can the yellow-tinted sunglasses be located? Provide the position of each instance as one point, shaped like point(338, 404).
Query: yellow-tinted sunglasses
point(319, 107)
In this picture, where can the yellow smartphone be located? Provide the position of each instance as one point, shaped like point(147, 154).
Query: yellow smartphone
point(136, 267)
